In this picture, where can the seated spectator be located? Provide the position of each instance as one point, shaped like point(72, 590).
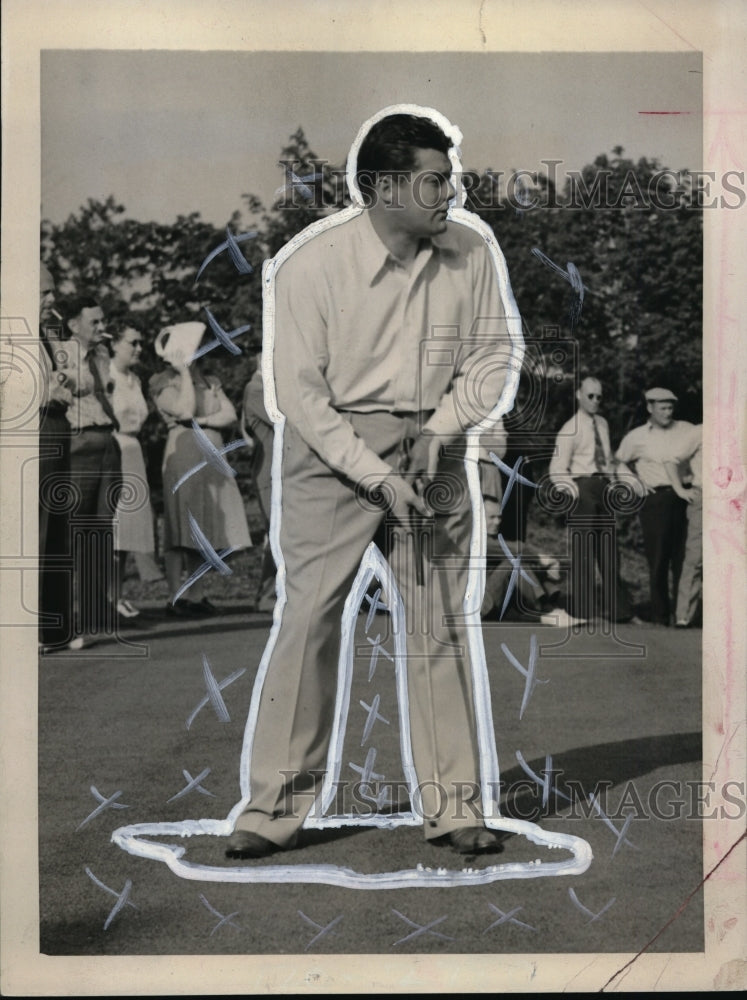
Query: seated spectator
point(192, 486)
point(520, 584)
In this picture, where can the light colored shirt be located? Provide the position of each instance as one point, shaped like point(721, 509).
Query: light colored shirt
point(690, 457)
point(165, 392)
point(128, 401)
point(650, 446)
point(356, 331)
point(85, 410)
point(575, 447)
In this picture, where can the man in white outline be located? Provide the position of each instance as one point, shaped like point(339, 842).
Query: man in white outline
point(358, 308)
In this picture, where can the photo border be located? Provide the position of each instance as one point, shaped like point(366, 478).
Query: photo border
point(718, 29)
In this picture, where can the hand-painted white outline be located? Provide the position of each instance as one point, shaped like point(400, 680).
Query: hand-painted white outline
point(130, 838)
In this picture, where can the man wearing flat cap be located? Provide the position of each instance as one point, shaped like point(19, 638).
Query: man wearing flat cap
point(652, 448)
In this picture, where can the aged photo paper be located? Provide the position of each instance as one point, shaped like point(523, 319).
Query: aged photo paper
point(102, 81)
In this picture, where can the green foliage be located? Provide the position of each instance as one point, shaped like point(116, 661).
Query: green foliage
point(640, 263)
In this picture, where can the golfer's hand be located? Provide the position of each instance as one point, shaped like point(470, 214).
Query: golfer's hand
point(403, 499)
point(423, 458)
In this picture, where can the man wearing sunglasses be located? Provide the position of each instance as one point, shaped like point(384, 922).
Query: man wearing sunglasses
point(582, 466)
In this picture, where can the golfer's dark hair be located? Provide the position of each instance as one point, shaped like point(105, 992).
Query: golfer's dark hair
point(390, 145)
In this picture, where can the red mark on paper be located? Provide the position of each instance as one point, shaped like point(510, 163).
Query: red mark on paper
point(722, 476)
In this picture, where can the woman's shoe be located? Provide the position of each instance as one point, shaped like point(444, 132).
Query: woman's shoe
point(125, 609)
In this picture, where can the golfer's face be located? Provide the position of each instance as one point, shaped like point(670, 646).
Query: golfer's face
point(424, 196)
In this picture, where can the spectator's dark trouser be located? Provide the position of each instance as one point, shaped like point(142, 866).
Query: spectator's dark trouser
point(663, 523)
point(95, 478)
point(55, 558)
point(593, 547)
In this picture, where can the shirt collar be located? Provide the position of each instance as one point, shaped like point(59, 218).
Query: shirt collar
point(375, 256)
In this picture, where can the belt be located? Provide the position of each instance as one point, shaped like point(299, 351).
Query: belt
point(658, 489)
point(403, 414)
point(94, 427)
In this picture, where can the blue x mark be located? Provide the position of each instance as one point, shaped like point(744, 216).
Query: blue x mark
point(373, 717)
point(377, 648)
point(513, 476)
point(105, 803)
point(213, 559)
point(620, 834)
point(326, 929)
point(544, 783)
point(214, 689)
point(592, 916)
point(222, 336)
point(215, 455)
point(528, 672)
point(123, 897)
point(221, 919)
point(193, 784)
point(508, 918)
point(375, 605)
point(421, 928)
point(231, 244)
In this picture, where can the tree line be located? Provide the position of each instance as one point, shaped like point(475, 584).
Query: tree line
point(609, 284)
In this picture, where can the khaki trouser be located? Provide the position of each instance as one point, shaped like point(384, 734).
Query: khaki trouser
point(689, 592)
point(325, 529)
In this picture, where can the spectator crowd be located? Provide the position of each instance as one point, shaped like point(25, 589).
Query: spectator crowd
point(95, 504)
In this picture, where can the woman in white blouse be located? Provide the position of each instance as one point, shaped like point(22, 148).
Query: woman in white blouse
point(133, 530)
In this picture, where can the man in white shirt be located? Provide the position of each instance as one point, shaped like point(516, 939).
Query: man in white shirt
point(582, 466)
point(95, 467)
point(386, 347)
point(652, 448)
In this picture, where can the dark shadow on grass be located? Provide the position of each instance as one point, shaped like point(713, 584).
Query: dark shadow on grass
point(593, 770)
point(211, 626)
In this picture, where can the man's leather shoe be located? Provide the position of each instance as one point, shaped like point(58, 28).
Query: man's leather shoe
point(245, 844)
point(473, 840)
